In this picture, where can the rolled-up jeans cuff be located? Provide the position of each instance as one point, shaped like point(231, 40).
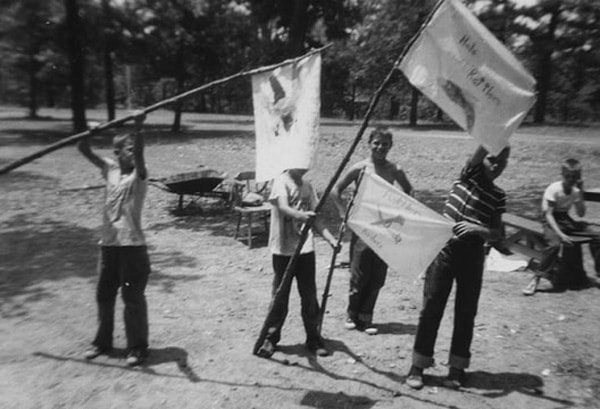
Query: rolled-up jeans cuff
point(421, 361)
point(458, 362)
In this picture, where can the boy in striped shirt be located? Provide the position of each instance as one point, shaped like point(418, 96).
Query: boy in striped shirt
point(476, 204)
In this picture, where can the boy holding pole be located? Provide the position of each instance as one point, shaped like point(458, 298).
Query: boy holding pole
point(367, 270)
point(124, 258)
point(293, 201)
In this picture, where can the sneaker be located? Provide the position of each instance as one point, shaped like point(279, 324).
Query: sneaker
point(415, 377)
point(266, 350)
point(367, 328)
point(136, 356)
point(349, 324)
point(321, 351)
point(532, 286)
point(456, 378)
point(95, 351)
point(317, 348)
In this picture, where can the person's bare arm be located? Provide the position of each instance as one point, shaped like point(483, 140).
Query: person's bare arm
point(138, 145)
point(325, 233)
point(402, 180)
point(491, 234)
point(580, 203)
point(350, 176)
point(284, 207)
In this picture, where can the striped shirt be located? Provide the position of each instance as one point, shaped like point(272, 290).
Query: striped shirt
point(474, 198)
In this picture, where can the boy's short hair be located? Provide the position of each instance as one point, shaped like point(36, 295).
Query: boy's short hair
point(382, 132)
point(571, 165)
point(120, 141)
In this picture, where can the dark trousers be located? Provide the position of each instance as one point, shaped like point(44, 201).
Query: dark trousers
point(563, 265)
point(461, 261)
point(126, 267)
point(304, 272)
point(367, 276)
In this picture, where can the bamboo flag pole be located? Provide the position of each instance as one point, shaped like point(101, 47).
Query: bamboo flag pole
point(278, 300)
point(74, 138)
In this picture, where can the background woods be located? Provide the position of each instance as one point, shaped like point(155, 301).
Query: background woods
point(123, 53)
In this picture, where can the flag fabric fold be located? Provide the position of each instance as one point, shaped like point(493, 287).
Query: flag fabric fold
point(286, 116)
point(460, 66)
point(405, 233)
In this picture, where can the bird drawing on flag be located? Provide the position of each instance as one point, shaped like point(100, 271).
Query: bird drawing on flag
point(460, 97)
point(388, 222)
point(283, 106)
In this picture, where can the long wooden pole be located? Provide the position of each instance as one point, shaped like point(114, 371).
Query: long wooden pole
point(278, 301)
point(74, 138)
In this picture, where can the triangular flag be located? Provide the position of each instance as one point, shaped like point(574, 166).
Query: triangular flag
point(459, 65)
point(405, 233)
point(286, 116)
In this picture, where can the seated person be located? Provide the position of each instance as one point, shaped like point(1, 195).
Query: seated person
point(558, 199)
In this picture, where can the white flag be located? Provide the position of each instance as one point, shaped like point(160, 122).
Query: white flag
point(405, 233)
point(286, 116)
point(458, 64)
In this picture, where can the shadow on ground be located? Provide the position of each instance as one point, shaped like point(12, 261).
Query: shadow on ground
point(34, 253)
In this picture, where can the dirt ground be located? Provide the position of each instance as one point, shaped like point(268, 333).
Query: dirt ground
point(208, 293)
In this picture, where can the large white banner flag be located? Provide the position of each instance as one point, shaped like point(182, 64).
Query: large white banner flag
point(286, 116)
point(458, 64)
point(405, 233)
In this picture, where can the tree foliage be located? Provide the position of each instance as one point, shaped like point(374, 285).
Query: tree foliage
point(174, 45)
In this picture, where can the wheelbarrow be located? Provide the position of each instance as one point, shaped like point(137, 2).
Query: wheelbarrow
point(204, 183)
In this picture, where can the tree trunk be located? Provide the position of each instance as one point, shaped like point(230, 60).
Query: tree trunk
point(545, 68)
point(353, 102)
point(76, 62)
point(33, 86)
point(176, 127)
point(109, 80)
point(414, 103)
point(298, 27)
point(50, 97)
point(394, 107)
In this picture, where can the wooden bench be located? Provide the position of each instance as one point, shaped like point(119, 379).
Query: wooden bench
point(525, 236)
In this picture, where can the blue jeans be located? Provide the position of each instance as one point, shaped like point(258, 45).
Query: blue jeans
point(127, 267)
point(461, 260)
point(304, 272)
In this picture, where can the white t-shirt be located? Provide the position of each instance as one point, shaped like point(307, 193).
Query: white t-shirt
point(122, 210)
point(556, 194)
point(285, 231)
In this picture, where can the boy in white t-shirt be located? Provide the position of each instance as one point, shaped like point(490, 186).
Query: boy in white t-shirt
point(293, 202)
point(557, 201)
point(124, 261)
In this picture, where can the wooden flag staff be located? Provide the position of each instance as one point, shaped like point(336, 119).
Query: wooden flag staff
point(111, 124)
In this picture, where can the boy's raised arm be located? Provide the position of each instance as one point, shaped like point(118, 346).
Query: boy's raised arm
point(478, 156)
point(138, 145)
